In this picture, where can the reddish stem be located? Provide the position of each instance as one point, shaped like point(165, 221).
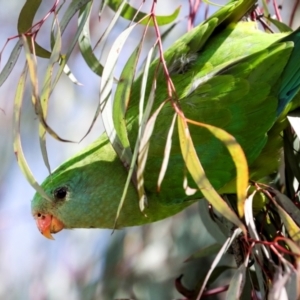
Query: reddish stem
point(194, 7)
point(294, 13)
point(277, 12)
point(171, 87)
point(30, 31)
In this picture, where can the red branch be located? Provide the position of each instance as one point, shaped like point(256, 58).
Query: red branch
point(34, 29)
point(294, 13)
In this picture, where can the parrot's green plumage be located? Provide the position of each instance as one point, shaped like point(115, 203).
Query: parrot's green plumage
point(226, 73)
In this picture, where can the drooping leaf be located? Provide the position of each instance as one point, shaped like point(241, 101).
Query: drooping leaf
point(237, 282)
point(11, 62)
point(25, 22)
point(238, 157)
point(46, 91)
point(84, 40)
point(167, 153)
point(196, 170)
point(289, 222)
point(17, 139)
point(218, 227)
point(121, 100)
point(130, 13)
point(282, 27)
point(224, 248)
point(32, 67)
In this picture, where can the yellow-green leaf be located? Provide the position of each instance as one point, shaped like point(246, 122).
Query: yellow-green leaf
point(196, 170)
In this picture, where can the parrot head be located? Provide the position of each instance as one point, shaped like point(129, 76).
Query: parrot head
point(81, 191)
point(59, 209)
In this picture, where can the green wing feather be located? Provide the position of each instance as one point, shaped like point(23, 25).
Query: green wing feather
point(235, 99)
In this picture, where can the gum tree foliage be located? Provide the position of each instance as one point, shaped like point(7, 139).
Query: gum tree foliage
point(261, 253)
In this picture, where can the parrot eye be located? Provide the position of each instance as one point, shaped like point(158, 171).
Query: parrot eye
point(61, 193)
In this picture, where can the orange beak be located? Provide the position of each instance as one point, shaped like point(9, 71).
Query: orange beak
point(48, 224)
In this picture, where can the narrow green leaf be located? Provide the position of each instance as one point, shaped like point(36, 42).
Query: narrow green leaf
point(261, 252)
point(296, 276)
point(143, 117)
point(237, 282)
point(46, 91)
point(17, 140)
point(265, 8)
point(294, 248)
point(105, 101)
point(249, 220)
point(212, 3)
point(121, 99)
point(167, 153)
point(144, 148)
point(130, 13)
point(25, 22)
point(32, 66)
point(239, 159)
point(14, 55)
point(72, 9)
point(102, 6)
point(196, 170)
point(288, 205)
point(218, 227)
point(280, 26)
point(289, 213)
point(223, 250)
point(290, 225)
point(111, 25)
point(82, 20)
point(84, 42)
point(61, 69)
point(106, 88)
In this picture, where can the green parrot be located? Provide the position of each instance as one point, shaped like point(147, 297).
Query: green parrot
point(227, 73)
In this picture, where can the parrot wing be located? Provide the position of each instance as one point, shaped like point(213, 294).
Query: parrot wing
point(241, 99)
